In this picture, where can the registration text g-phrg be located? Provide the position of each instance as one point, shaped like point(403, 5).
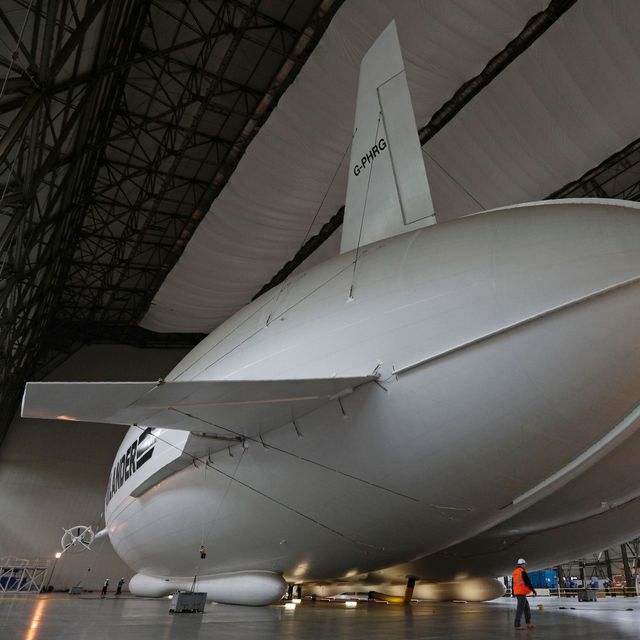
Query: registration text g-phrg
point(369, 156)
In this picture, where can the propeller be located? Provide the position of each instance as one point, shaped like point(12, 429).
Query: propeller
point(77, 539)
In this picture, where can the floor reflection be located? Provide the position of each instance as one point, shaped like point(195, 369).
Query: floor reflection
point(89, 617)
point(34, 623)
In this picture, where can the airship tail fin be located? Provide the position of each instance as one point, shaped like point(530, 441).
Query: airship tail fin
point(215, 407)
point(388, 192)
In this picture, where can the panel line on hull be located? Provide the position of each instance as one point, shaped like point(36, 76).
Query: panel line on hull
point(517, 541)
point(511, 327)
point(267, 300)
point(270, 319)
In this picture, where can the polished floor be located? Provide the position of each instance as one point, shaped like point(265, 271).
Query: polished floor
point(56, 617)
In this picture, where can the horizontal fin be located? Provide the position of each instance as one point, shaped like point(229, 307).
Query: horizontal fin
point(206, 406)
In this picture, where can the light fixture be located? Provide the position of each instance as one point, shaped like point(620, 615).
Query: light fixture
point(350, 604)
point(289, 606)
point(296, 600)
point(58, 555)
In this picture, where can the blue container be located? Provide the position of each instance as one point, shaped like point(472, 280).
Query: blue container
point(544, 579)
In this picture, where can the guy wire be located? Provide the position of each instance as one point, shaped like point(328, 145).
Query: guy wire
point(355, 542)
point(426, 153)
point(326, 193)
point(295, 455)
point(364, 210)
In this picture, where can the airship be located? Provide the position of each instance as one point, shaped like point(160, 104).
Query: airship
point(433, 402)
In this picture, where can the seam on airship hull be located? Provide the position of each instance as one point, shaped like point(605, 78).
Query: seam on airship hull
point(610, 202)
point(515, 325)
point(519, 542)
point(503, 542)
point(623, 430)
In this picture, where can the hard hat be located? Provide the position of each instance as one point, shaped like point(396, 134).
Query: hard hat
point(522, 561)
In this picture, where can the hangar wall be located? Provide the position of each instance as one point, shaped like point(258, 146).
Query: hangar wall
point(54, 474)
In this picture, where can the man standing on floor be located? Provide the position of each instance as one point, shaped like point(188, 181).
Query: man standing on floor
point(105, 586)
point(521, 587)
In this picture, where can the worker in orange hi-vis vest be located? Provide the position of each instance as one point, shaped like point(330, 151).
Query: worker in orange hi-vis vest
point(521, 587)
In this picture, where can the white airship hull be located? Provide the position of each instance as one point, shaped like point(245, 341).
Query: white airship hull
point(506, 348)
point(406, 397)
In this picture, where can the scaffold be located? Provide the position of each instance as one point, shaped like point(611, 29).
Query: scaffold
point(19, 575)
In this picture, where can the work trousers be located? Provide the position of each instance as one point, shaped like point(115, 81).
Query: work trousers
point(523, 605)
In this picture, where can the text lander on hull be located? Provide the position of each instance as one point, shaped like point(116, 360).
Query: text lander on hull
point(357, 424)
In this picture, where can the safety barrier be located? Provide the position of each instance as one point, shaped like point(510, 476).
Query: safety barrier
point(618, 591)
point(574, 592)
point(19, 575)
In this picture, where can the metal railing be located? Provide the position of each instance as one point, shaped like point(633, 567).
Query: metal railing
point(20, 575)
point(617, 591)
point(574, 592)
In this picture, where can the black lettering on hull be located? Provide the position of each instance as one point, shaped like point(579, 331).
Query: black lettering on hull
point(370, 156)
point(138, 452)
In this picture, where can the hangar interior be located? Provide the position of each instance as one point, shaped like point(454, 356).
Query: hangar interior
point(165, 162)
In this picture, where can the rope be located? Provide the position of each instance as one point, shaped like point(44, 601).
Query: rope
point(355, 542)
point(453, 179)
point(298, 457)
point(224, 497)
point(274, 301)
point(364, 208)
point(326, 193)
point(306, 236)
point(260, 329)
point(438, 508)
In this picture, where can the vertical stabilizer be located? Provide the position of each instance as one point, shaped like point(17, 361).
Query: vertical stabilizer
point(388, 192)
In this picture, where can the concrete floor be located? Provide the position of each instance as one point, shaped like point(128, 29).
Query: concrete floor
point(56, 617)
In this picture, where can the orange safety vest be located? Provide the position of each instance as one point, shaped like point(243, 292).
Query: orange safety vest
point(519, 588)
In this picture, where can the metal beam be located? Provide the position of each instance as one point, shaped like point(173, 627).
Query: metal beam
point(18, 125)
point(534, 28)
point(42, 229)
point(614, 177)
point(123, 162)
point(628, 574)
point(76, 38)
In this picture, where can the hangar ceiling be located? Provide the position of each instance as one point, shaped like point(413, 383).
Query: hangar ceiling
point(511, 103)
point(122, 121)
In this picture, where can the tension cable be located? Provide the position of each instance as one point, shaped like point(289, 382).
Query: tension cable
point(357, 543)
point(364, 209)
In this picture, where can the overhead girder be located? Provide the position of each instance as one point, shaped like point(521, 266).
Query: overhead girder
point(155, 183)
point(616, 177)
point(42, 226)
point(190, 194)
point(121, 121)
